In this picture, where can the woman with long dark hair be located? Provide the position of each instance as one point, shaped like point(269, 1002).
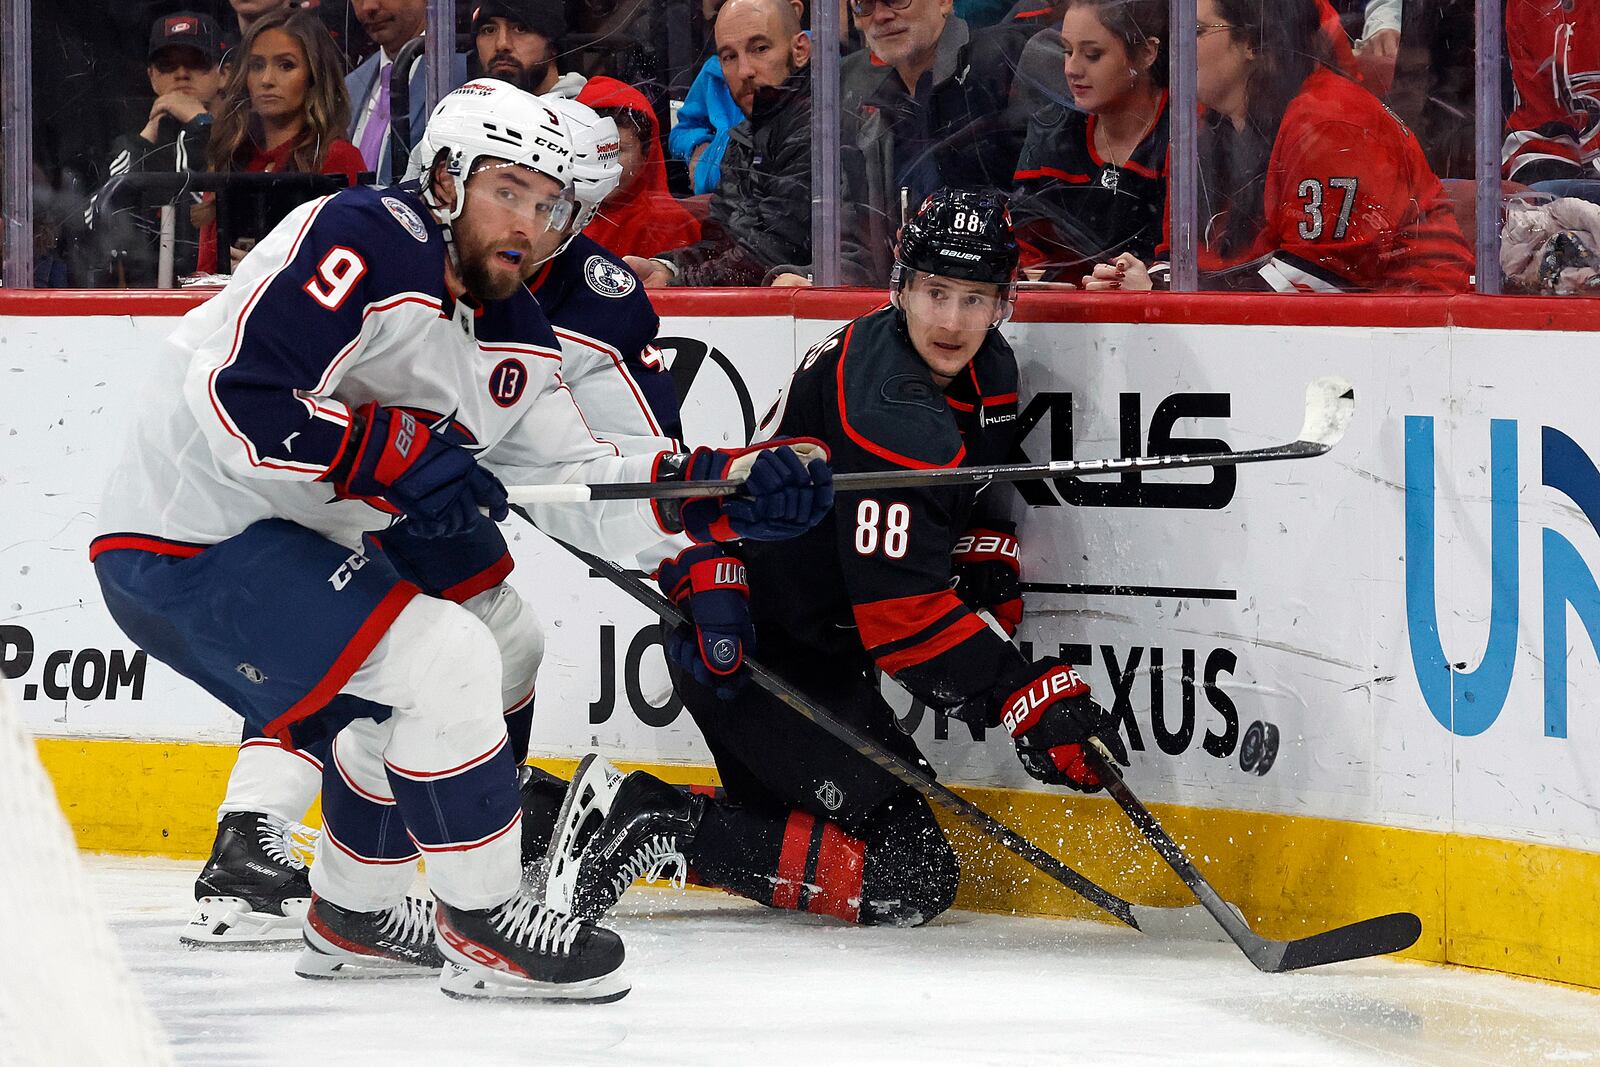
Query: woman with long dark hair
point(1307, 181)
point(1092, 180)
point(285, 108)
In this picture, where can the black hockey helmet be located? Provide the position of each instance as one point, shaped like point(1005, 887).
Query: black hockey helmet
point(961, 233)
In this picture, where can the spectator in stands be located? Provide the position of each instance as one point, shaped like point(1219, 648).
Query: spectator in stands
point(390, 24)
point(928, 103)
point(1092, 181)
point(284, 109)
point(1553, 133)
point(249, 12)
point(185, 56)
point(1420, 57)
point(641, 218)
point(516, 41)
point(761, 212)
point(1308, 182)
point(704, 124)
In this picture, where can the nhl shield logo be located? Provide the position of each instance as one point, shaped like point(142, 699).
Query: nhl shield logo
point(831, 795)
point(608, 279)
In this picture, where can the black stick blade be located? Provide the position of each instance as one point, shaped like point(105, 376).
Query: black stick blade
point(1377, 936)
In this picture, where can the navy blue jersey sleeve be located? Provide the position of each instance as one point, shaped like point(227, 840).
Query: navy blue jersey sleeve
point(293, 320)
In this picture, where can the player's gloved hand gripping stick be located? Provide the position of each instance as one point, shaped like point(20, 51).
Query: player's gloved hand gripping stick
point(394, 461)
point(1330, 402)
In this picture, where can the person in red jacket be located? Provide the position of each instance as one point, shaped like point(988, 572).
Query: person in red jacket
point(1553, 134)
point(641, 218)
point(284, 109)
point(1308, 182)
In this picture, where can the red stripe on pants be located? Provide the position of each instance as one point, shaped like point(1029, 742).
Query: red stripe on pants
point(792, 861)
point(839, 865)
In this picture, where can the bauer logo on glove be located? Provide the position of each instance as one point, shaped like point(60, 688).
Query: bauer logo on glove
point(1028, 704)
point(1046, 709)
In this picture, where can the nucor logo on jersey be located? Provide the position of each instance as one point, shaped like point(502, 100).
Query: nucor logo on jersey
point(994, 544)
point(1059, 681)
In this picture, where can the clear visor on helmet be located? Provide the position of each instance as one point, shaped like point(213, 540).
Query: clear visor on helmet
point(953, 303)
point(516, 190)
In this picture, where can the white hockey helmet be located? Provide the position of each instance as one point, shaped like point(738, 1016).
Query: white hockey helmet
point(486, 117)
point(596, 151)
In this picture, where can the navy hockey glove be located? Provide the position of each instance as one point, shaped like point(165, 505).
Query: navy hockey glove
point(393, 459)
point(788, 488)
point(986, 573)
point(1051, 719)
point(708, 585)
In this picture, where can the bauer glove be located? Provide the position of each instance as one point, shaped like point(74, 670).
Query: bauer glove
point(394, 462)
point(1046, 709)
point(708, 585)
point(788, 488)
point(986, 573)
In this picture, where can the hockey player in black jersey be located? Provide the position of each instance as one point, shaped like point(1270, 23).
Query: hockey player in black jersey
point(890, 581)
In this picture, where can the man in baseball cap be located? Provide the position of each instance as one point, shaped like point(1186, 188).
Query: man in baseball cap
point(178, 38)
point(516, 41)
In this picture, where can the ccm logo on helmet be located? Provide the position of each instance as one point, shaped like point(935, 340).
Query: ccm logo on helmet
point(1060, 681)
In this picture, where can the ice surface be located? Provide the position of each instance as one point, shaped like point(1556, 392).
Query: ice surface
point(718, 981)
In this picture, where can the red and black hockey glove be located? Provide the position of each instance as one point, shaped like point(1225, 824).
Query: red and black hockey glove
point(1046, 709)
point(708, 585)
point(986, 573)
point(392, 457)
point(788, 488)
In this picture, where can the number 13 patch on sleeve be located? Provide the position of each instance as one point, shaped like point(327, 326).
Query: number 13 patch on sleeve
point(507, 381)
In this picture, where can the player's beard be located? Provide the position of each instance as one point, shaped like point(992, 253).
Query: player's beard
point(483, 281)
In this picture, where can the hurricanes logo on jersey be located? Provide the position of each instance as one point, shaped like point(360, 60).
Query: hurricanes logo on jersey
point(608, 279)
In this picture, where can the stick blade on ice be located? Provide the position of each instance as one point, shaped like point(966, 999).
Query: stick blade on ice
point(1377, 936)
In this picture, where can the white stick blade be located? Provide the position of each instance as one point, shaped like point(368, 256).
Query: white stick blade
point(1330, 404)
point(547, 494)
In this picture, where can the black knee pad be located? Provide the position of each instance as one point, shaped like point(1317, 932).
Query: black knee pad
point(910, 873)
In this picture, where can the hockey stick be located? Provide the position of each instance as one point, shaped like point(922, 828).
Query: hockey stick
point(1330, 402)
point(1377, 936)
point(1171, 922)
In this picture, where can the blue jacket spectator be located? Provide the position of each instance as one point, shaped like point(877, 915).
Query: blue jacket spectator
point(707, 118)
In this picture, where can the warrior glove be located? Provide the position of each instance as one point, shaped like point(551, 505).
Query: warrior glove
point(1051, 719)
point(394, 462)
point(708, 585)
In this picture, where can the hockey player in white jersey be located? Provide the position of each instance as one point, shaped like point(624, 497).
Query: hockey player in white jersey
point(254, 888)
point(372, 367)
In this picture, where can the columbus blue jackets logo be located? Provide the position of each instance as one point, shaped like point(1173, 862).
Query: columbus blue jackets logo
point(406, 217)
point(608, 279)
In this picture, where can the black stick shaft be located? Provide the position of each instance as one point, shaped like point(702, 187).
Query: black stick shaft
point(939, 794)
point(861, 481)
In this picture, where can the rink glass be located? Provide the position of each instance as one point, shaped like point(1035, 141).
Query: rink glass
point(74, 79)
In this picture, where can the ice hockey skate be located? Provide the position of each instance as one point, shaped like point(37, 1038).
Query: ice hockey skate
point(254, 890)
point(616, 829)
point(396, 942)
point(522, 950)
